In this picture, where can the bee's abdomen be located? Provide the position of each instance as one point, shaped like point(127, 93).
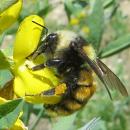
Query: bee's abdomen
point(70, 105)
point(86, 86)
point(83, 93)
point(77, 99)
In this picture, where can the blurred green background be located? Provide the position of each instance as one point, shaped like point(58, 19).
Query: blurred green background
point(105, 24)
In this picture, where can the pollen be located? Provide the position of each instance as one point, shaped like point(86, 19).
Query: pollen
point(60, 89)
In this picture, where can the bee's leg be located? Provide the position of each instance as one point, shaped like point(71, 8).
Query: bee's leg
point(38, 67)
point(40, 49)
point(54, 62)
point(49, 63)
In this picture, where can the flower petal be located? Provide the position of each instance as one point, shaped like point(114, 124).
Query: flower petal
point(19, 126)
point(10, 15)
point(29, 82)
point(38, 99)
point(27, 37)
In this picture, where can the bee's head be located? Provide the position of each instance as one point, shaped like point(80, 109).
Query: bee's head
point(51, 42)
point(48, 44)
point(51, 39)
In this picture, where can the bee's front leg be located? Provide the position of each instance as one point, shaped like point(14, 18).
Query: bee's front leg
point(38, 67)
point(48, 63)
point(40, 49)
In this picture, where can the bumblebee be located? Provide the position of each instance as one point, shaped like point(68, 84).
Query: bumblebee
point(75, 62)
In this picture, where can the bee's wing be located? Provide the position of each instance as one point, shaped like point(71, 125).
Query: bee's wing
point(111, 79)
point(108, 78)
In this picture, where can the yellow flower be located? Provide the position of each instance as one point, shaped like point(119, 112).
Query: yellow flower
point(18, 125)
point(10, 15)
point(27, 37)
point(85, 30)
point(82, 14)
point(27, 83)
point(74, 21)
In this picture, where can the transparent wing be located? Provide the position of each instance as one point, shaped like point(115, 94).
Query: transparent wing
point(108, 78)
point(111, 79)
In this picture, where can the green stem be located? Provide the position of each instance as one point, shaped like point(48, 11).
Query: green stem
point(37, 120)
point(27, 113)
point(4, 4)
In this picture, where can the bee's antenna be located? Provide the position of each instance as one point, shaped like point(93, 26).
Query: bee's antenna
point(42, 26)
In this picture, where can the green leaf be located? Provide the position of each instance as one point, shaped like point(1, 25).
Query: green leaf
point(4, 64)
point(92, 123)
point(5, 76)
point(68, 7)
point(65, 123)
point(4, 4)
point(45, 8)
point(74, 7)
point(37, 119)
point(115, 46)
point(107, 3)
point(1, 38)
point(27, 111)
point(9, 113)
point(95, 24)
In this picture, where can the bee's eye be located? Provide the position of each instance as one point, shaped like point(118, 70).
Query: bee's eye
point(51, 38)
